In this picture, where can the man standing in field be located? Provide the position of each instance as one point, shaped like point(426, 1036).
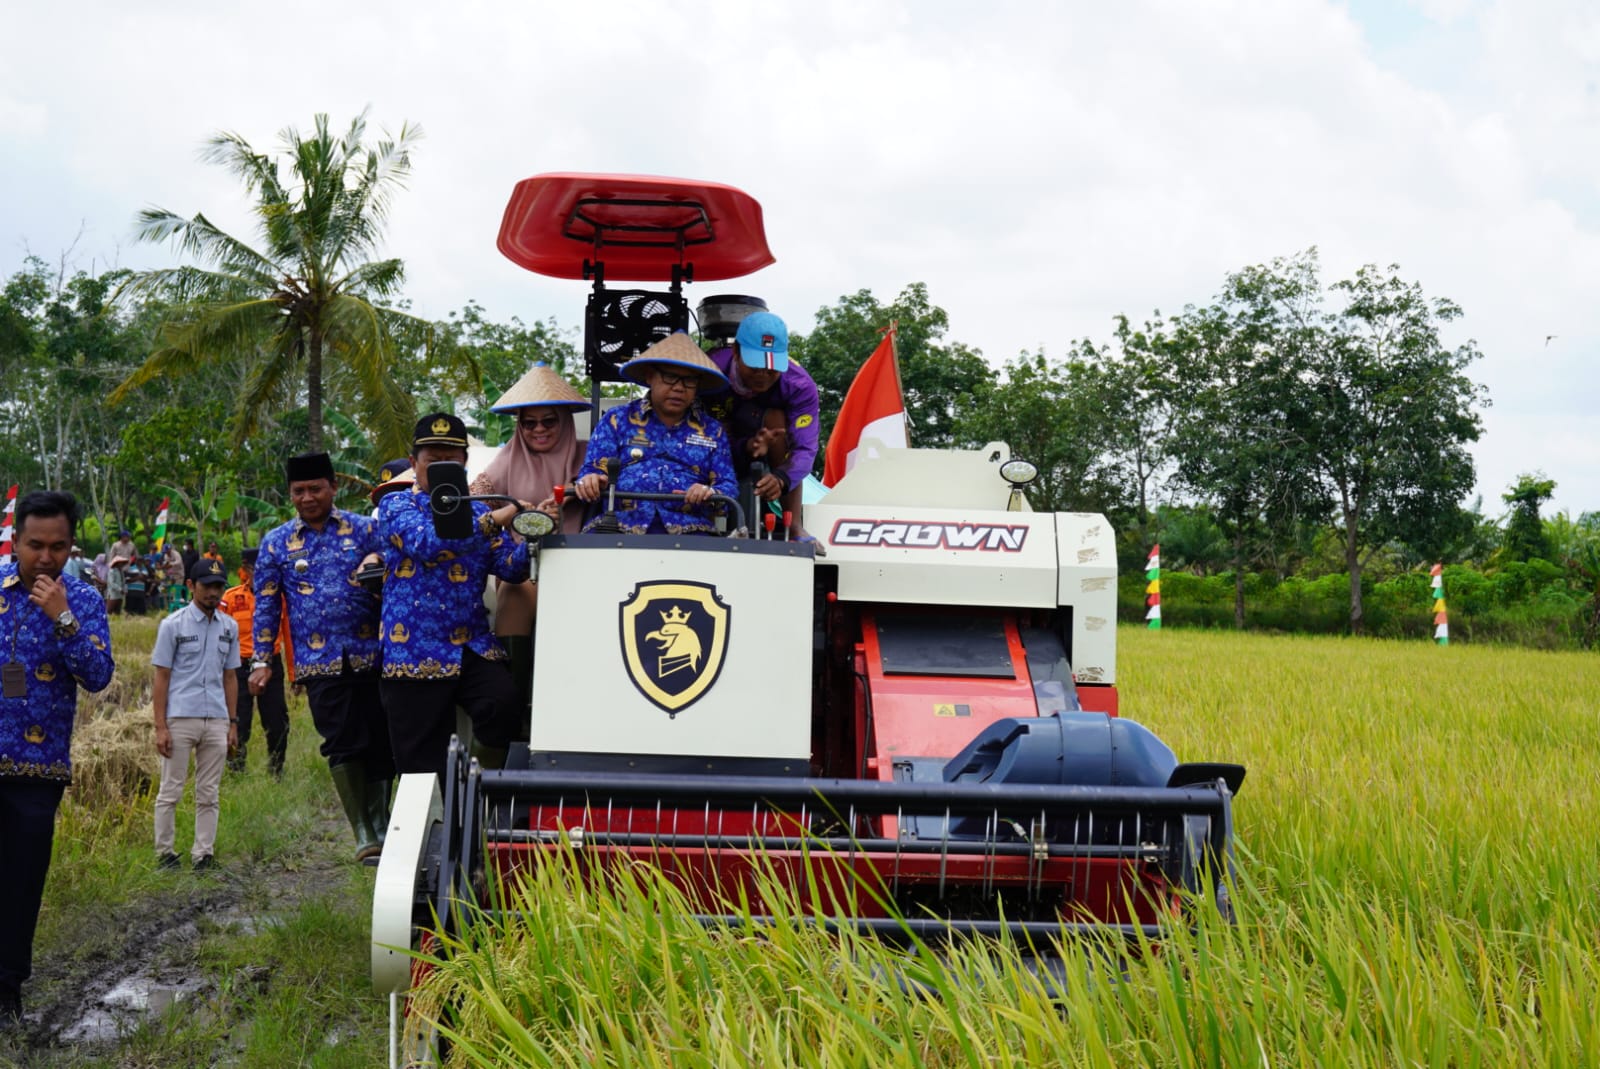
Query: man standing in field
point(309, 565)
point(239, 602)
point(58, 641)
point(196, 696)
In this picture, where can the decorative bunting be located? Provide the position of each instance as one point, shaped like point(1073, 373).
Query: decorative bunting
point(7, 528)
point(1152, 590)
point(1441, 621)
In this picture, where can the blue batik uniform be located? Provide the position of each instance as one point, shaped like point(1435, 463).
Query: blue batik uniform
point(36, 729)
point(658, 459)
point(332, 618)
point(433, 590)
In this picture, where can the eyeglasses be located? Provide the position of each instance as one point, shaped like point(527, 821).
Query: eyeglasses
point(688, 380)
point(533, 422)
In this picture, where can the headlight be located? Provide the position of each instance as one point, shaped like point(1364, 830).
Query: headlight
point(1019, 472)
point(533, 524)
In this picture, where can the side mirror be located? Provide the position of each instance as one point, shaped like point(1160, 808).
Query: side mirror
point(447, 488)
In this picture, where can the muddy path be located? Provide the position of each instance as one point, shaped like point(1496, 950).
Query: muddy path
point(130, 965)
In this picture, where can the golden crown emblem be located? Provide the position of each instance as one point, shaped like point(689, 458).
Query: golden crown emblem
point(441, 425)
point(676, 616)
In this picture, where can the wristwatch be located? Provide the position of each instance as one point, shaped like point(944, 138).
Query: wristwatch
point(66, 624)
point(260, 664)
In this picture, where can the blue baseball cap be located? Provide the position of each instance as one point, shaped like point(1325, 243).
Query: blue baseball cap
point(763, 342)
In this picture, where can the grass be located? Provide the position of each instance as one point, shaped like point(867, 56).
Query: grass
point(1419, 852)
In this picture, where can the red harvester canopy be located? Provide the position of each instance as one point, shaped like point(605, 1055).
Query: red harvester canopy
point(638, 226)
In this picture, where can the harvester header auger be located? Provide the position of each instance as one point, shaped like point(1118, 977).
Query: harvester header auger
point(929, 709)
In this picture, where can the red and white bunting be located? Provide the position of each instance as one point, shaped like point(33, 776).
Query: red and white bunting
point(8, 531)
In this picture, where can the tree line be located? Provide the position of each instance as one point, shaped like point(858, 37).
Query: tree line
point(1282, 424)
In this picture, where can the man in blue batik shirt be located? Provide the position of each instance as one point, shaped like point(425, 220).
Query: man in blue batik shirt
point(438, 648)
point(309, 565)
point(53, 639)
point(663, 443)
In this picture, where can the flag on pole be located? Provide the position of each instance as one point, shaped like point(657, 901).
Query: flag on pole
point(1441, 620)
point(161, 525)
point(8, 527)
point(873, 408)
point(1152, 590)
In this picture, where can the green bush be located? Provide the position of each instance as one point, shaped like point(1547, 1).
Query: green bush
point(1525, 603)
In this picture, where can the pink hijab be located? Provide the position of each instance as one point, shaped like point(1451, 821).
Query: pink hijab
point(529, 476)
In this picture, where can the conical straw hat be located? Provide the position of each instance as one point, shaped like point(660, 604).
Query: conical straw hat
point(542, 385)
point(676, 350)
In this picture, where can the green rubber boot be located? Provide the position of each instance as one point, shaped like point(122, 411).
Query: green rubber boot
point(378, 794)
point(486, 756)
point(350, 781)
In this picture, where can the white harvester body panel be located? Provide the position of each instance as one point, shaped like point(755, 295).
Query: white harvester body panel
point(690, 647)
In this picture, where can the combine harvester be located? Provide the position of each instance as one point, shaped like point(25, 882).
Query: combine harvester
point(928, 707)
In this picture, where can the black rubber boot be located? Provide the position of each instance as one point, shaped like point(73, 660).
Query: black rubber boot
point(519, 657)
point(351, 782)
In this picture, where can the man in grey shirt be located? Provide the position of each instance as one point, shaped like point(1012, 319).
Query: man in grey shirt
point(196, 695)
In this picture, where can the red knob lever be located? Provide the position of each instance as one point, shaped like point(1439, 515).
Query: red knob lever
point(561, 495)
point(769, 521)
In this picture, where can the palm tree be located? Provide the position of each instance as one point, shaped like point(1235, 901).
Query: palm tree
point(313, 293)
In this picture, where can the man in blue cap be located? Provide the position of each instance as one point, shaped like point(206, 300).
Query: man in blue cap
point(770, 412)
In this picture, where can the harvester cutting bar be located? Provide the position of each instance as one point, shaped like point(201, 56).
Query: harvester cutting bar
point(1148, 852)
point(963, 852)
point(958, 798)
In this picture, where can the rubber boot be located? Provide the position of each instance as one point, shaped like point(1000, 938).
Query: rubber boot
point(486, 756)
point(519, 655)
point(351, 782)
point(378, 792)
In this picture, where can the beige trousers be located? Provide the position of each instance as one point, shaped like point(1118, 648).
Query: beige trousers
point(207, 739)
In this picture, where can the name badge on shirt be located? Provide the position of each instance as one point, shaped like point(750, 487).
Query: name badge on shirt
point(700, 439)
point(13, 680)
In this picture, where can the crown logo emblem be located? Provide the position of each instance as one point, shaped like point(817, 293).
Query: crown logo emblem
point(34, 734)
point(316, 641)
point(441, 425)
point(398, 633)
point(676, 661)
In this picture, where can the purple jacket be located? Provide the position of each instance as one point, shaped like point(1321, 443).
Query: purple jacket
point(794, 393)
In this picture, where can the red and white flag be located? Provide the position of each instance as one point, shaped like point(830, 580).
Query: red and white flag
point(873, 409)
point(8, 530)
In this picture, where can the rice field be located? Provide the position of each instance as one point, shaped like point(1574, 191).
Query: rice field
point(1419, 885)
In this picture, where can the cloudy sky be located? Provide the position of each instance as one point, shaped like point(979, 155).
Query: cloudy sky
point(1042, 167)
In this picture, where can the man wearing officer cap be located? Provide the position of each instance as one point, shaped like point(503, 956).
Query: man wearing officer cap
point(438, 649)
point(308, 565)
point(770, 412)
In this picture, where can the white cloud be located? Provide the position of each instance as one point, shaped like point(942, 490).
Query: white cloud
point(1041, 168)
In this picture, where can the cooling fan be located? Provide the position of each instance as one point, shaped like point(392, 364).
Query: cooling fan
point(621, 324)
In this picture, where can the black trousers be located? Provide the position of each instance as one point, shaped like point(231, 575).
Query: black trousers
point(347, 711)
point(422, 712)
point(274, 710)
point(27, 835)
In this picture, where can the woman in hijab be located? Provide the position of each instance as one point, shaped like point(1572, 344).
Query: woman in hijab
point(543, 453)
